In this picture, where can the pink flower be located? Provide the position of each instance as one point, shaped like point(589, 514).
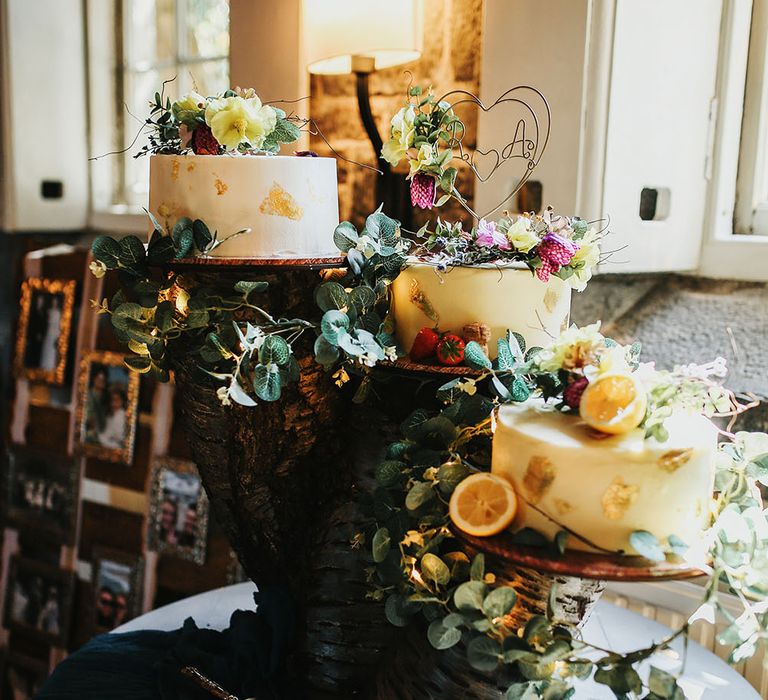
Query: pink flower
point(554, 251)
point(422, 191)
point(489, 236)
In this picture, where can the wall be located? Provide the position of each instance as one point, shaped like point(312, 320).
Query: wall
point(451, 60)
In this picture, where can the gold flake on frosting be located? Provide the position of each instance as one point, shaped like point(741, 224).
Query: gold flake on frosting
point(417, 297)
point(672, 460)
point(538, 478)
point(562, 506)
point(617, 498)
point(175, 165)
point(551, 297)
point(221, 186)
point(279, 202)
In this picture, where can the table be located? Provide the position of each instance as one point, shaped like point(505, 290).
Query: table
point(706, 676)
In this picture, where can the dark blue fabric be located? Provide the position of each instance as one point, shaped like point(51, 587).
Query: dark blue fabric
point(247, 659)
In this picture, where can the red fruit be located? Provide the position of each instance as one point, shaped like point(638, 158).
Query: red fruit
point(203, 142)
point(573, 392)
point(424, 344)
point(450, 350)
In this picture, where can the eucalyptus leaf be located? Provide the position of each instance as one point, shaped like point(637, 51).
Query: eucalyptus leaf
point(389, 472)
point(345, 236)
point(499, 601)
point(441, 636)
point(381, 544)
point(331, 295)
point(470, 595)
point(433, 569)
point(475, 357)
point(484, 654)
point(477, 570)
point(646, 545)
point(138, 363)
point(201, 234)
point(420, 493)
point(274, 350)
point(325, 353)
point(267, 383)
point(107, 251)
point(334, 326)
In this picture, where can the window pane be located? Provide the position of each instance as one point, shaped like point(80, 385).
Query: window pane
point(209, 77)
point(150, 32)
point(207, 28)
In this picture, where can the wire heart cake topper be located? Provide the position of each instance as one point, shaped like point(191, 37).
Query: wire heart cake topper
point(430, 134)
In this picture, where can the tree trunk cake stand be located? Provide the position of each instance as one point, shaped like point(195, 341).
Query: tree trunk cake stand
point(284, 481)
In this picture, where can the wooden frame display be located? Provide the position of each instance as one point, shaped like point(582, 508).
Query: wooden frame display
point(42, 493)
point(38, 600)
point(107, 407)
point(178, 511)
point(117, 587)
point(45, 327)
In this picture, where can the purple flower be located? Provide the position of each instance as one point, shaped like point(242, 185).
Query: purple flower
point(489, 236)
point(422, 191)
point(554, 251)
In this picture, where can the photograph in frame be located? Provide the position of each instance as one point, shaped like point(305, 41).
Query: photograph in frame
point(107, 409)
point(45, 329)
point(42, 492)
point(178, 510)
point(39, 600)
point(117, 587)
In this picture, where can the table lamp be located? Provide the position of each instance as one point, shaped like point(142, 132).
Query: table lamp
point(361, 36)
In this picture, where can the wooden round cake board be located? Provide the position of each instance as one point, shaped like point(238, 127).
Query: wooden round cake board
point(585, 565)
point(236, 263)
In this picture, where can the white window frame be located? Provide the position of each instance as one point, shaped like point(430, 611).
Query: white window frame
point(726, 253)
point(102, 24)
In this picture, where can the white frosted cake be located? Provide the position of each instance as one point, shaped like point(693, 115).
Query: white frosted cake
point(604, 487)
point(501, 297)
point(289, 203)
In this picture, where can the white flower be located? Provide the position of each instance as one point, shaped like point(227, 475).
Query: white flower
point(575, 348)
point(402, 135)
point(426, 156)
point(586, 259)
point(368, 359)
point(390, 352)
point(98, 269)
point(521, 235)
point(187, 109)
point(467, 386)
point(238, 120)
point(222, 394)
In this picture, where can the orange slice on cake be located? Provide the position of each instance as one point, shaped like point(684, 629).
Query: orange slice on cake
point(613, 403)
point(483, 505)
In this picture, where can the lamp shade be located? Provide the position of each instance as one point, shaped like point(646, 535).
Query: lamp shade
point(382, 34)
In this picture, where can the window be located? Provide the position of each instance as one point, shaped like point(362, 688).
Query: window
point(135, 45)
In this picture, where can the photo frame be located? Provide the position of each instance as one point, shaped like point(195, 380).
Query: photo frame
point(42, 492)
point(107, 407)
point(178, 511)
point(117, 587)
point(38, 600)
point(45, 328)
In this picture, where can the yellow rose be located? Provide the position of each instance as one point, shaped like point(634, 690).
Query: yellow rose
point(237, 120)
point(403, 133)
point(187, 108)
point(425, 157)
point(520, 235)
point(588, 255)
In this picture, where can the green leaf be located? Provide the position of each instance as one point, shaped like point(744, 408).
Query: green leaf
point(504, 358)
point(470, 595)
point(450, 474)
point(433, 569)
point(484, 654)
point(275, 350)
point(107, 251)
point(621, 679)
point(132, 255)
point(561, 541)
point(477, 570)
point(677, 545)
point(201, 234)
point(363, 299)
point(267, 383)
point(441, 636)
point(442, 200)
point(345, 236)
point(398, 610)
point(381, 545)
point(160, 250)
point(389, 472)
point(646, 545)
point(146, 292)
point(411, 427)
point(325, 353)
point(331, 295)
point(499, 602)
point(537, 630)
point(421, 492)
point(475, 357)
point(334, 326)
point(138, 363)
point(246, 287)
point(661, 683)
point(516, 344)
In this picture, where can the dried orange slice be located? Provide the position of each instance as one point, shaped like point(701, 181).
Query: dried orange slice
point(613, 403)
point(483, 505)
